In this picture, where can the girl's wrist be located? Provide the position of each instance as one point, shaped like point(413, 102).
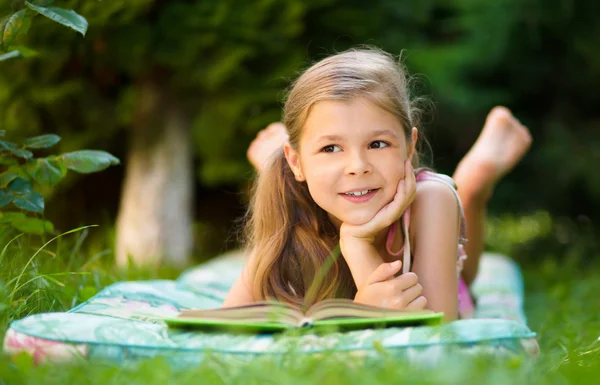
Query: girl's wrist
point(349, 238)
point(350, 242)
point(362, 259)
point(356, 250)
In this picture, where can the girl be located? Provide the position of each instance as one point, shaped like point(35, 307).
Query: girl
point(348, 174)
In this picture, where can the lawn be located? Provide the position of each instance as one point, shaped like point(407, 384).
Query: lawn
point(560, 262)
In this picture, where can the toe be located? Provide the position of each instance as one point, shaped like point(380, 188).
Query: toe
point(275, 126)
point(501, 115)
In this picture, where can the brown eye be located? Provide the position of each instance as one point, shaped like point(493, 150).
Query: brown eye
point(379, 144)
point(330, 148)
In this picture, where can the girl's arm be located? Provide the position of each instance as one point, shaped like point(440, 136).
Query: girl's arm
point(362, 259)
point(435, 226)
point(240, 293)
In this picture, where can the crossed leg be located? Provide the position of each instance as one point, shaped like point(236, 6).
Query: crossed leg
point(501, 144)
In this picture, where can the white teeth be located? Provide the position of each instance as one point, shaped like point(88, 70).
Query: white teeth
point(358, 193)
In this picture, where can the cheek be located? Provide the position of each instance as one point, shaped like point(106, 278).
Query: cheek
point(322, 175)
point(393, 177)
point(319, 186)
point(322, 186)
point(396, 168)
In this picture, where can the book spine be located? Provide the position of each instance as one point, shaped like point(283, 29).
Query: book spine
point(306, 323)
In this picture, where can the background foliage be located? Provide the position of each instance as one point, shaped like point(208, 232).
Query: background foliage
point(228, 62)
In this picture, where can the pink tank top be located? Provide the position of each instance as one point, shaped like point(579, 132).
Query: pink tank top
point(465, 302)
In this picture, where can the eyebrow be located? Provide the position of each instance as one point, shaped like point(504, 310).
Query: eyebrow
point(374, 133)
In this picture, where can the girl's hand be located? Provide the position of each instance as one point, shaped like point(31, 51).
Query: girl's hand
point(382, 289)
point(405, 195)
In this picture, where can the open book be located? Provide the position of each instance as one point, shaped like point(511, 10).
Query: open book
point(270, 316)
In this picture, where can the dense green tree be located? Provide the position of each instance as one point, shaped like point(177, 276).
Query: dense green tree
point(193, 81)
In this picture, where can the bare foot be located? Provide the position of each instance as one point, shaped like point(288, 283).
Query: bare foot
point(501, 144)
point(265, 144)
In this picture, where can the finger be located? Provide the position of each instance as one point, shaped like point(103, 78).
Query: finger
point(411, 294)
point(410, 184)
point(406, 190)
point(405, 281)
point(408, 168)
point(384, 272)
point(419, 303)
point(409, 187)
point(393, 210)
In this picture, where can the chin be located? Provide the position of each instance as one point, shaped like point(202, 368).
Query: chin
point(357, 219)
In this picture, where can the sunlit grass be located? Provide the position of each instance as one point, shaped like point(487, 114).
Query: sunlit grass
point(562, 273)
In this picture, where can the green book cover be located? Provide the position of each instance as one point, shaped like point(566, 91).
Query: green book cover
point(273, 317)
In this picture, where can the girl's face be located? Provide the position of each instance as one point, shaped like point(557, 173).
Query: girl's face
point(351, 147)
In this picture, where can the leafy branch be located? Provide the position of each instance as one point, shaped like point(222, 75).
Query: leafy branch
point(23, 172)
point(18, 24)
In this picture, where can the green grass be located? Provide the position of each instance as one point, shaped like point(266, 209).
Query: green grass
point(560, 261)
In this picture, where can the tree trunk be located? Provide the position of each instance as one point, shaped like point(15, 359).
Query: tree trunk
point(154, 223)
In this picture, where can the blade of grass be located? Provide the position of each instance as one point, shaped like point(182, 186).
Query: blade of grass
point(6, 247)
point(77, 246)
point(49, 277)
point(38, 251)
point(320, 276)
point(94, 258)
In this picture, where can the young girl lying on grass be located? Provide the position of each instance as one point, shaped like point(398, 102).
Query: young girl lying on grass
point(343, 169)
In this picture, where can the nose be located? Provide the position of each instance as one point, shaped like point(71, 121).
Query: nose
point(358, 163)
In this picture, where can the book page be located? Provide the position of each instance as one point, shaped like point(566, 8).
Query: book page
point(265, 311)
point(346, 308)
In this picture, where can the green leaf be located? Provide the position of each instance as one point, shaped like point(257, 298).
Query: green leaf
point(5, 198)
point(12, 28)
point(10, 55)
point(42, 141)
point(68, 18)
point(43, 3)
point(4, 145)
point(26, 24)
point(10, 216)
point(21, 153)
point(33, 225)
point(20, 186)
point(88, 161)
point(6, 178)
point(31, 201)
point(46, 171)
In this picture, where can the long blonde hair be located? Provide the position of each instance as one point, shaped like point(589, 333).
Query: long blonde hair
point(289, 236)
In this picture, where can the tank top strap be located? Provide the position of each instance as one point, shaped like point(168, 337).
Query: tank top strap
point(405, 250)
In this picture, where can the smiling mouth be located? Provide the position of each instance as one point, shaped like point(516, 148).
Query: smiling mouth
point(359, 193)
point(360, 196)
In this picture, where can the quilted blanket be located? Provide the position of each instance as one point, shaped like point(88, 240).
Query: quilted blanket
point(123, 323)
